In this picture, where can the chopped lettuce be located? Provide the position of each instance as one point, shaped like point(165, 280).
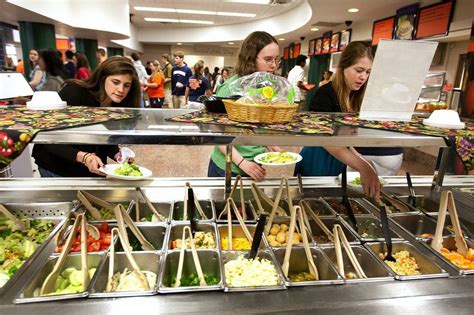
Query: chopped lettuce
point(128, 169)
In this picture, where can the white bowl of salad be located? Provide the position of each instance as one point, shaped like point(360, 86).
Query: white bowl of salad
point(278, 158)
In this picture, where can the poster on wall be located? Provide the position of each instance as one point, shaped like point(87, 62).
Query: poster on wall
point(434, 20)
point(383, 29)
point(318, 46)
point(335, 42)
point(395, 82)
point(345, 39)
point(291, 52)
point(296, 50)
point(405, 22)
point(326, 42)
point(311, 47)
point(286, 53)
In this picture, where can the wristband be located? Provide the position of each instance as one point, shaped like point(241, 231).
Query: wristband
point(85, 157)
point(241, 161)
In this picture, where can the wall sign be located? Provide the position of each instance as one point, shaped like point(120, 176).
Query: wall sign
point(383, 29)
point(296, 50)
point(345, 39)
point(335, 42)
point(405, 22)
point(434, 20)
point(326, 42)
point(318, 46)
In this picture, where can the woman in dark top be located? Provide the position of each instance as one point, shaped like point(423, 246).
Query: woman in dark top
point(197, 84)
point(343, 94)
point(52, 65)
point(113, 84)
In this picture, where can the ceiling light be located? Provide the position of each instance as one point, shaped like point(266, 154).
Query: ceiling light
point(281, 38)
point(161, 20)
point(314, 29)
point(196, 22)
point(152, 9)
point(251, 1)
point(353, 10)
point(236, 14)
point(179, 44)
point(185, 11)
point(231, 43)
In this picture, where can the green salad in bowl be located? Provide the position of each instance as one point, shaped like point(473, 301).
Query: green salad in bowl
point(128, 169)
point(278, 158)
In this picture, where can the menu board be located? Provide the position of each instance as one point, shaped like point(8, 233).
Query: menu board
point(326, 42)
point(382, 29)
point(405, 23)
point(286, 53)
point(296, 50)
point(311, 47)
point(434, 20)
point(291, 52)
point(335, 42)
point(318, 46)
point(398, 73)
point(345, 39)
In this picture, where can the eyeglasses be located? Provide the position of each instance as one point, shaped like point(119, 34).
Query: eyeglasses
point(270, 61)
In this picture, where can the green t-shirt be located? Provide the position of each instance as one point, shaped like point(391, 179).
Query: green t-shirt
point(248, 152)
point(168, 73)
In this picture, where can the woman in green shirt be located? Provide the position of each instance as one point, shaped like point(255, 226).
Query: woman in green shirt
point(259, 52)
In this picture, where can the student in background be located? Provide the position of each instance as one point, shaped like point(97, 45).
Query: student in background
point(37, 76)
point(221, 78)
point(168, 74)
point(326, 77)
point(296, 78)
point(83, 68)
point(69, 64)
point(101, 55)
point(141, 72)
point(155, 85)
point(53, 67)
point(197, 84)
point(179, 82)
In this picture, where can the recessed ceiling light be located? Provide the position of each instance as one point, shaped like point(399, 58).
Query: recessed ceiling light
point(353, 10)
point(196, 22)
point(189, 11)
point(314, 29)
point(179, 44)
point(231, 43)
point(153, 9)
point(281, 38)
point(236, 14)
point(178, 21)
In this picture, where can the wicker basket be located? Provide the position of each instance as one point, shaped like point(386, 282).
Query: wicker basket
point(260, 113)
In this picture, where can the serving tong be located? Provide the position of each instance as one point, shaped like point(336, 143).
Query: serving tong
point(131, 260)
point(238, 180)
point(259, 196)
point(308, 210)
point(297, 216)
point(196, 202)
point(197, 264)
point(340, 237)
point(140, 192)
point(21, 225)
point(122, 218)
point(283, 184)
point(398, 204)
point(386, 233)
point(345, 200)
point(49, 283)
point(230, 204)
point(447, 203)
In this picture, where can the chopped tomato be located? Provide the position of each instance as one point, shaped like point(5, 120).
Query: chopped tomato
point(104, 227)
point(93, 247)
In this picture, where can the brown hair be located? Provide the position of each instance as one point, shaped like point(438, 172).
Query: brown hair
point(95, 84)
point(197, 69)
point(166, 56)
point(158, 69)
point(252, 45)
point(179, 54)
point(82, 61)
point(350, 102)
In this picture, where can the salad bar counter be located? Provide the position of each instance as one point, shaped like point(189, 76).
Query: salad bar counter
point(157, 265)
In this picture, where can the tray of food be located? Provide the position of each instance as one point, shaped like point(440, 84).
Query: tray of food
point(251, 216)
point(206, 205)
point(298, 273)
point(69, 283)
point(210, 262)
point(99, 239)
point(464, 263)
point(204, 238)
point(156, 235)
point(20, 248)
point(239, 238)
point(369, 229)
point(278, 234)
point(319, 206)
point(424, 203)
point(410, 263)
point(125, 281)
point(322, 239)
point(337, 206)
point(146, 215)
point(259, 274)
point(103, 205)
point(394, 206)
point(419, 225)
point(373, 268)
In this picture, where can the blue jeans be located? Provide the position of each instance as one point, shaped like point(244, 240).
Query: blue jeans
point(46, 173)
point(156, 102)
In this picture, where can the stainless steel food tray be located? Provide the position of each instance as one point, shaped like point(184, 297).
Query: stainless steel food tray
point(147, 261)
point(449, 243)
point(207, 207)
point(371, 224)
point(163, 208)
point(284, 220)
point(236, 232)
point(417, 224)
point(330, 222)
point(156, 235)
point(249, 210)
point(320, 206)
point(175, 231)
point(356, 203)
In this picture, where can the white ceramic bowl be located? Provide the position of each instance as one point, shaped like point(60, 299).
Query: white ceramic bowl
point(46, 100)
point(444, 118)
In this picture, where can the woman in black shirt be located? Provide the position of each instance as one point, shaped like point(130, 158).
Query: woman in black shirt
point(113, 84)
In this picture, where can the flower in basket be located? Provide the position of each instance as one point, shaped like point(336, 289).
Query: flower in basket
point(263, 88)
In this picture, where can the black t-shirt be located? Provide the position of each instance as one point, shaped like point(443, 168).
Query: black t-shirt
point(71, 69)
point(325, 100)
point(61, 159)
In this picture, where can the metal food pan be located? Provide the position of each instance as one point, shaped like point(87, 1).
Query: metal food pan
point(220, 205)
point(320, 238)
point(450, 243)
point(145, 212)
point(155, 234)
point(391, 209)
point(262, 254)
point(417, 225)
point(298, 263)
point(282, 220)
point(320, 207)
point(129, 205)
point(207, 207)
point(466, 226)
point(51, 211)
point(210, 264)
point(425, 263)
point(147, 261)
point(373, 268)
point(337, 207)
point(176, 232)
point(73, 260)
point(426, 204)
point(369, 229)
point(268, 208)
point(236, 232)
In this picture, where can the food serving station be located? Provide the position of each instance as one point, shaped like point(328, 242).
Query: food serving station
point(440, 285)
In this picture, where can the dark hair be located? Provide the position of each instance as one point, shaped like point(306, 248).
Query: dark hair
point(95, 84)
point(327, 71)
point(216, 69)
point(135, 56)
point(53, 63)
point(224, 69)
point(82, 61)
point(197, 69)
point(300, 59)
point(350, 102)
point(60, 53)
point(179, 54)
point(252, 45)
point(102, 52)
point(166, 56)
point(206, 70)
point(69, 54)
point(31, 63)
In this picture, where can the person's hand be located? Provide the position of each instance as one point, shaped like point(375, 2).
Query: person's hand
point(274, 149)
point(117, 155)
point(252, 169)
point(179, 85)
point(94, 163)
point(370, 183)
